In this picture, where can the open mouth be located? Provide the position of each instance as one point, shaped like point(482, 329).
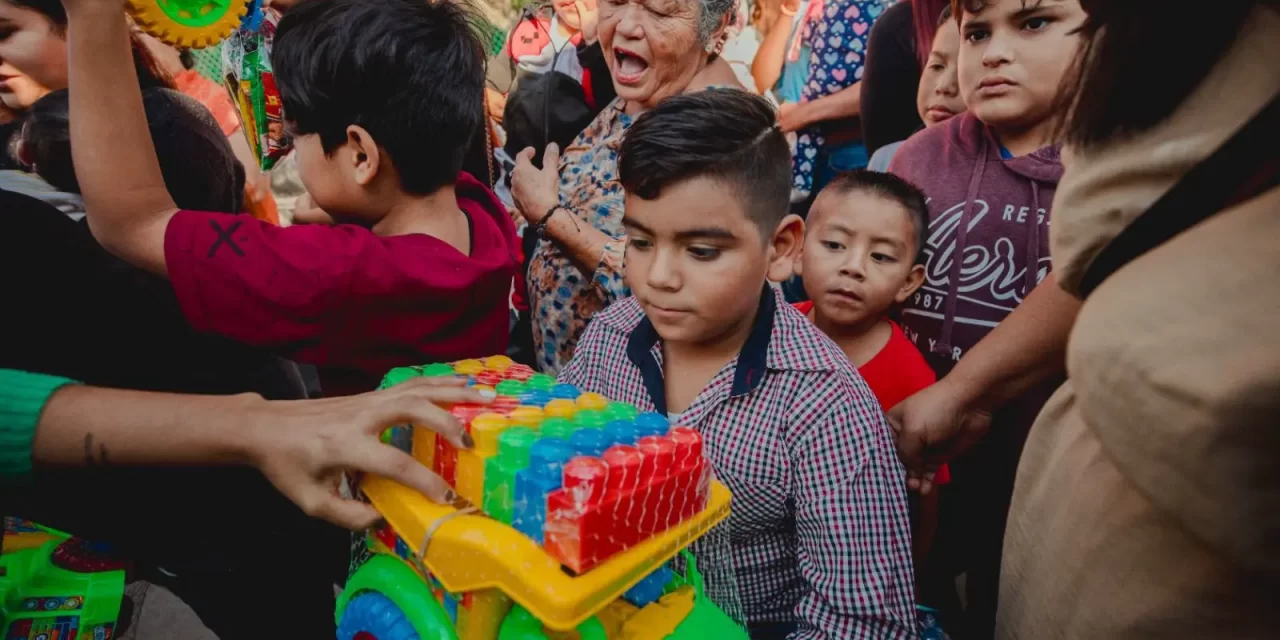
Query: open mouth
point(629, 66)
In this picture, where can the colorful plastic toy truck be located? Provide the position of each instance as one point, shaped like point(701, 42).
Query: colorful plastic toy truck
point(53, 586)
point(570, 508)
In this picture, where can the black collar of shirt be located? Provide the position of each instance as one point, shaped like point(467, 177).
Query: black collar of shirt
point(747, 375)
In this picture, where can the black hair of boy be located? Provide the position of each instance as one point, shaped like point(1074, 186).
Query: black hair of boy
point(723, 134)
point(892, 188)
point(410, 72)
point(199, 168)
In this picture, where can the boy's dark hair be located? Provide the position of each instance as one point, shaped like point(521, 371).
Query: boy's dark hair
point(889, 187)
point(411, 72)
point(724, 134)
point(961, 7)
point(199, 168)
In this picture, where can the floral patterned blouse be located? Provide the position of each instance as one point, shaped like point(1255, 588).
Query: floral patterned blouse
point(561, 297)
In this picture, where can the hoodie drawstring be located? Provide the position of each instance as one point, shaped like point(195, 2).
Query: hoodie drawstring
point(1032, 276)
point(962, 241)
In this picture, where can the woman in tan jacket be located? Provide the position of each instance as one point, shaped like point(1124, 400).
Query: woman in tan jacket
point(1147, 502)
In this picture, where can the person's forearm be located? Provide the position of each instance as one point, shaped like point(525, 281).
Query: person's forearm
point(583, 243)
point(845, 103)
point(115, 160)
point(1028, 347)
point(90, 426)
point(766, 68)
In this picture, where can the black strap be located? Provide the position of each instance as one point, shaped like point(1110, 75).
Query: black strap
point(1246, 166)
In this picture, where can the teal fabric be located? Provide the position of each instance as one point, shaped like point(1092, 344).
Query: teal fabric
point(22, 398)
point(794, 75)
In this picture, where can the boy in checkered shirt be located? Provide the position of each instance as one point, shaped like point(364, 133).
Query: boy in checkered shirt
point(818, 543)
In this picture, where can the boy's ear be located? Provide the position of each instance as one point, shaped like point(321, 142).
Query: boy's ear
point(798, 267)
point(365, 158)
point(915, 278)
point(22, 153)
point(784, 250)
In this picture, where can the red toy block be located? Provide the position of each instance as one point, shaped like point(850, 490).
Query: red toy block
point(445, 462)
point(519, 372)
point(504, 404)
point(489, 378)
point(612, 503)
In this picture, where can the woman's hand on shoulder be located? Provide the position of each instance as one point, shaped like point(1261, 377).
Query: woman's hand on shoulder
point(536, 190)
point(304, 447)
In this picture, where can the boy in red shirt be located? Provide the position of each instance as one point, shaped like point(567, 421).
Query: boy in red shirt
point(860, 259)
point(383, 98)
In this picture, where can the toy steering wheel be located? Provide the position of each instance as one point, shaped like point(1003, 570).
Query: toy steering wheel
point(188, 24)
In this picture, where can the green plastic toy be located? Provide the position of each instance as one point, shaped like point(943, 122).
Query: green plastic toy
point(51, 587)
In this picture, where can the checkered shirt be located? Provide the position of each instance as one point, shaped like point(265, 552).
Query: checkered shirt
point(819, 531)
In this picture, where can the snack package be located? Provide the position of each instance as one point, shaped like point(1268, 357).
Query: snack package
point(247, 73)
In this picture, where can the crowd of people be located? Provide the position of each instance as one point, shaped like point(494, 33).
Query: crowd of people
point(963, 296)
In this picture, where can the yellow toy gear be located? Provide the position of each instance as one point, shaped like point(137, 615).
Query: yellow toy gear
point(188, 24)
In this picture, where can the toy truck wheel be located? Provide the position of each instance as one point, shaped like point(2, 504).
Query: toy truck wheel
point(188, 24)
point(373, 616)
point(387, 592)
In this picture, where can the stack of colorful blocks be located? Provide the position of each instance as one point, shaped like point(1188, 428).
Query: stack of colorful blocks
point(583, 477)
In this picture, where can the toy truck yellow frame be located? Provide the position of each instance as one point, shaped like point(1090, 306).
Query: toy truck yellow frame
point(489, 568)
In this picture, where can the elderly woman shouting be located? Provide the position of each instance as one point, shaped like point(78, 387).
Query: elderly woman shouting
point(655, 49)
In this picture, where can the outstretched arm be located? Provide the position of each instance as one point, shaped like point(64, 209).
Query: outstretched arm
point(301, 446)
point(127, 204)
point(944, 420)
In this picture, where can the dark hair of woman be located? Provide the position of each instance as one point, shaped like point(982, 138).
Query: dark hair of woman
point(924, 20)
point(150, 73)
point(1117, 86)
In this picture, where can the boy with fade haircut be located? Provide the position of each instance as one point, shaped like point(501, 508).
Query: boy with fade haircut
point(990, 175)
point(818, 542)
point(383, 98)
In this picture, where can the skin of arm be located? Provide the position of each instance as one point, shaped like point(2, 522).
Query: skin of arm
point(536, 191)
point(1027, 348)
point(766, 68)
point(845, 103)
point(944, 420)
point(301, 446)
point(127, 204)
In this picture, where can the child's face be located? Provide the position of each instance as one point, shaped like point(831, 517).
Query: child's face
point(938, 96)
point(1013, 57)
point(859, 257)
point(33, 57)
point(696, 262)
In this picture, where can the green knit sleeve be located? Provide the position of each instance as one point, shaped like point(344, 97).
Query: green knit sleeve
point(22, 398)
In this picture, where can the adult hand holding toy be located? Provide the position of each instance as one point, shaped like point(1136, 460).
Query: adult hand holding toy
point(302, 447)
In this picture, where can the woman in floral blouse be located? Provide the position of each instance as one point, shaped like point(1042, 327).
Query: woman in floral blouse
point(655, 49)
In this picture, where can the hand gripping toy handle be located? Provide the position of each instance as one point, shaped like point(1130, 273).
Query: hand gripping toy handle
point(188, 24)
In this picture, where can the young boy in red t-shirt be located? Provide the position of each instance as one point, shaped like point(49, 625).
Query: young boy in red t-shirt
point(860, 259)
point(383, 98)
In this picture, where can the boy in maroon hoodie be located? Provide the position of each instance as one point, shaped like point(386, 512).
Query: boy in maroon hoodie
point(990, 175)
point(383, 98)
